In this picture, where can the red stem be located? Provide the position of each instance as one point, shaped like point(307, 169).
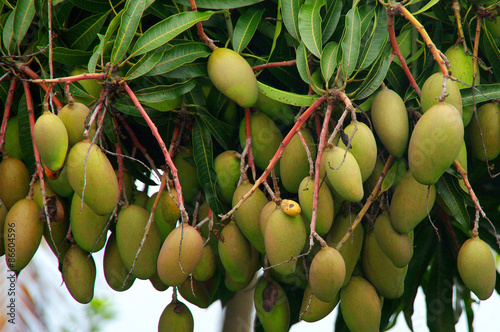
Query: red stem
point(27, 70)
point(275, 64)
point(248, 133)
point(6, 114)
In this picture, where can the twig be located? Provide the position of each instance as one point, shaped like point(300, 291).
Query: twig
point(308, 153)
point(27, 70)
point(6, 114)
point(275, 64)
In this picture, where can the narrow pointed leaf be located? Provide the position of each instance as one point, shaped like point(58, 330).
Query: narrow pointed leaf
point(446, 187)
point(426, 7)
point(302, 63)
point(245, 28)
point(95, 6)
point(492, 51)
point(219, 4)
point(376, 41)
point(82, 34)
point(375, 77)
point(286, 97)
point(24, 14)
point(8, 33)
point(96, 55)
point(310, 25)
point(486, 92)
point(395, 174)
point(70, 56)
point(179, 55)
point(221, 131)
point(160, 93)
point(145, 64)
point(331, 19)
point(351, 41)
point(329, 60)
point(290, 12)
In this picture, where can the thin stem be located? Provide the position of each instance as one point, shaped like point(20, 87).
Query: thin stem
point(6, 114)
point(275, 64)
point(27, 70)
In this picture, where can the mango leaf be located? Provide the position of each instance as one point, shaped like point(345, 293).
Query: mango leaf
point(329, 60)
point(25, 135)
point(96, 55)
point(70, 56)
point(222, 132)
point(219, 4)
point(113, 25)
point(164, 31)
point(286, 97)
point(394, 174)
point(82, 34)
point(426, 7)
point(350, 42)
point(310, 25)
point(375, 42)
point(145, 64)
point(8, 33)
point(245, 28)
point(492, 52)
point(366, 14)
point(95, 6)
point(179, 55)
point(302, 63)
point(7, 3)
point(486, 92)
point(128, 26)
point(446, 187)
point(160, 93)
point(24, 14)
point(277, 30)
point(204, 159)
point(375, 77)
point(397, 78)
point(190, 70)
point(331, 19)
point(290, 11)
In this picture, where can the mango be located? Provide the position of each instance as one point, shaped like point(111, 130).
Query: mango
point(266, 139)
point(128, 185)
point(313, 309)
point(231, 74)
point(79, 273)
point(435, 142)
point(74, 118)
point(360, 305)
point(234, 251)
point(116, 274)
point(477, 267)
point(371, 182)
point(325, 209)
point(410, 204)
point(89, 229)
point(266, 212)
point(284, 238)
point(294, 164)
point(163, 226)
point(91, 86)
point(205, 270)
point(157, 283)
point(395, 245)
point(176, 317)
point(22, 233)
point(296, 279)
point(214, 230)
point(51, 139)
point(390, 121)
point(343, 174)
point(169, 209)
point(61, 185)
point(493, 27)
point(488, 117)
point(179, 255)
point(59, 230)
point(277, 111)
point(139, 198)
point(188, 175)
point(432, 89)
point(271, 304)
point(130, 230)
point(14, 181)
point(247, 216)
point(461, 65)
point(227, 170)
point(95, 172)
point(195, 292)
point(3, 215)
point(12, 144)
point(327, 274)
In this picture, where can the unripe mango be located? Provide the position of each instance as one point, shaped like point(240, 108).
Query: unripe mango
point(294, 164)
point(56, 235)
point(410, 204)
point(313, 309)
point(227, 169)
point(271, 304)
point(195, 292)
point(206, 268)
point(96, 174)
point(169, 208)
point(435, 142)
point(390, 121)
point(247, 216)
point(12, 143)
point(3, 215)
point(277, 111)
point(488, 117)
point(296, 279)
point(179, 255)
point(266, 139)
point(493, 27)
point(79, 274)
point(364, 147)
point(51, 139)
point(163, 226)
point(327, 274)
point(22, 221)
point(140, 198)
point(360, 306)
point(74, 118)
point(234, 251)
point(115, 271)
point(232, 75)
point(461, 65)
point(14, 181)
point(157, 283)
point(476, 267)
point(285, 237)
point(266, 212)
point(130, 230)
point(188, 175)
point(90, 85)
point(344, 174)
point(379, 270)
point(89, 229)
point(61, 185)
point(395, 245)
point(176, 317)
point(325, 209)
point(432, 89)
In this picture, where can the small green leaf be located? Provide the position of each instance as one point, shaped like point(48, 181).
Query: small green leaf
point(245, 28)
point(310, 25)
point(219, 4)
point(329, 60)
point(96, 55)
point(331, 19)
point(82, 34)
point(25, 12)
point(145, 64)
point(486, 92)
point(190, 70)
point(8, 33)
point(290, 11)
point(222, 132)
point(179, 55)
point(286, 97)
point(160, 93)
point(446, 187)
point(350, 42)
point(426, 7)
point(70, 56)
point(394, 174)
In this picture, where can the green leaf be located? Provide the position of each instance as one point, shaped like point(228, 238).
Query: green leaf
point(310, 25)
point(486, 92)
point(350, 42)
point(96, 55)
point(95, 6)
point(8, 33)
point(277, 30)
point(164, 31)
point(25, 135)
point(222, 132)
point(329, 60)
point(145, 64)
point(447, 187)
point(219, 4)
point(331, 19)
point(160, 93)
point(374, 78)
point(290, 11)
point(286, 97)
point(395, 173)
point(82, 34)
point(366, 14)
point(70, 56)
point(204, 159)
point(376, 41)
point(491, 50)
point(245, 28)
point(128, 26)
point(426, 7)
point(179, 55)
point(7, 3)
point(302, 63)
point(24, 14)
point(189, 70)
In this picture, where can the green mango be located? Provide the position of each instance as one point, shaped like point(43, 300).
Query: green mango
point(294, 164)
point(89, 229)
point(195, 292)
point(205, 270)
point(277, 111)
point(79, 273)
point(461, 65)
point(234, 252)
point(12, 143)
point(227, 170)
point(74, 118)
point(3, 215)
point(51, 138)
point(188, 175)
point(360, 305)
point(61, 185)
point(327, 274)
point(176, 317)
point(14, 181)
point(266, 212)
point(163, 226)
point(115, 271)
point(488, 117)
point(396, 246)
point(325, 209)
point(313, 309)
point(432, 89)
point(271, 304)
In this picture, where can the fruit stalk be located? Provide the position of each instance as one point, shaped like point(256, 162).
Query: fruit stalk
point(199, 27)
point(455, 7)
point(309, 158)
point(6, 114)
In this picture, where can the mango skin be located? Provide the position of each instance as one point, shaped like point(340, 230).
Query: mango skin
point(188, 175)
point(14, 181)
point(360, 306)
point(22, 221)
point(231, 74)
point(79, 273)
point(476, 266)
point(409, 203)
point(395, 245)
point(51, 139)
point(205, 270)
point(115, 271)
point(435, 143)
point(247, 216)
point(61, 185)
point(12, 144)
point(294, 164)
point(325, 209)
point(234, 252)
point(101, 190)
point(432, 89)
point(227, 169)
point(163, 226)
point(390, 121)
point(169, 209)
point(266, 139)
point(271, 304)
point(195, 292)
point(461, 65)
point(3, 215)
point(285, 237)
point(317, 309)
point(191, 250)
point(74, 118)
point(489, 120)
point(130, 229)
point(176, 317)
point(327, 273)
point(266, 212)
point(277, 111)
